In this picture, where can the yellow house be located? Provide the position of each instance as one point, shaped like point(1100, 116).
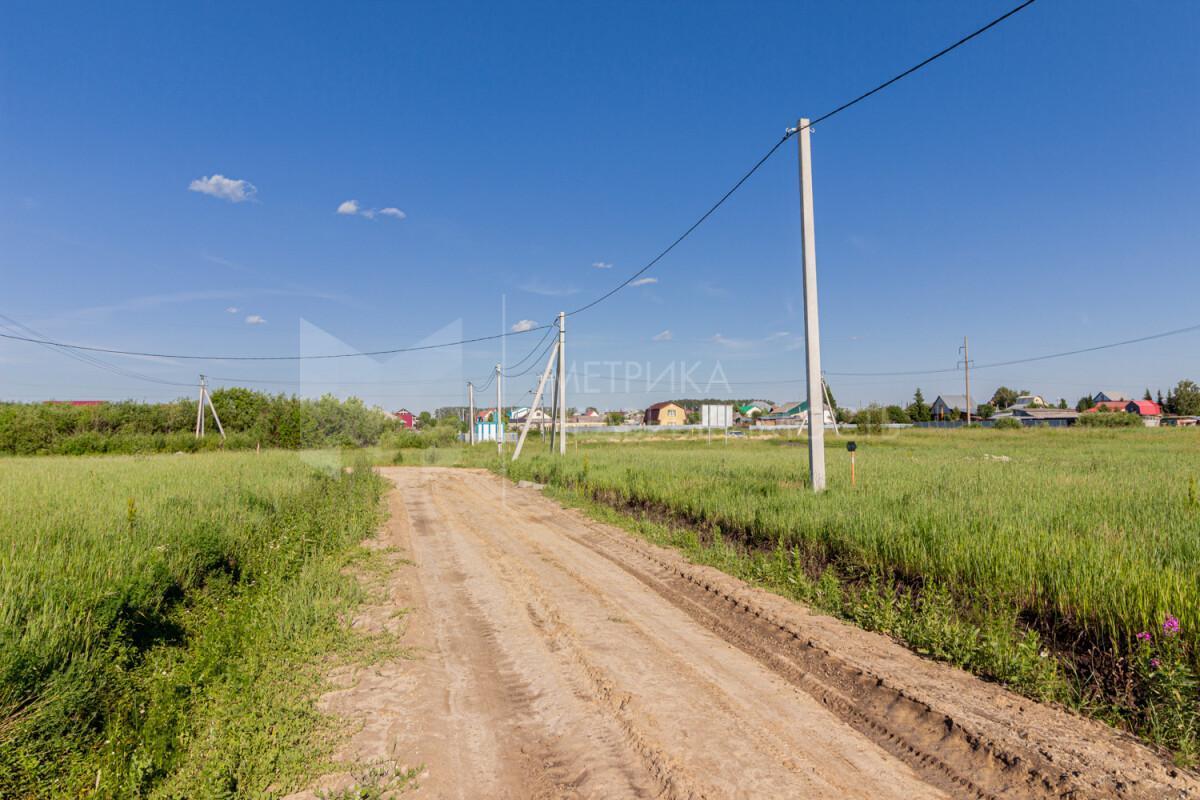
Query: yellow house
point(667, 413)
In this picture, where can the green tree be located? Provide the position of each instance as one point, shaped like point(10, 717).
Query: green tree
point(1148, 396)
point(1085, 402)
point(918, 409)
point(424, 420)
point(614, 418)
point(1185, 398)
point(898, 415)
point(1004, 397)
point(986, 410)
point(1062, 403)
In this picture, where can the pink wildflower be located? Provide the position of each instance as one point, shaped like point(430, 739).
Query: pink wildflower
point(1154, 662)
point(1143, 636)
point(1171, 625)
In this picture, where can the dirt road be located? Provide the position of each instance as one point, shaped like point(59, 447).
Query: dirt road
point(558, 657)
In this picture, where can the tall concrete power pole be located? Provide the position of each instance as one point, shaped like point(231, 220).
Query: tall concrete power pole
point(812, 333)
point(967, 374)
point(562, 383)
point(499, 413)
point(471, 412)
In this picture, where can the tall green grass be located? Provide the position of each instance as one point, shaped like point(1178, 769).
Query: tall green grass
point(144, 599)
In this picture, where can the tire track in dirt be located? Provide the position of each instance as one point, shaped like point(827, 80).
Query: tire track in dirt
point(560, 657)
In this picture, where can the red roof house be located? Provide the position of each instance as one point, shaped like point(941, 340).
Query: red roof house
point(405, 416)
point(1145, 408)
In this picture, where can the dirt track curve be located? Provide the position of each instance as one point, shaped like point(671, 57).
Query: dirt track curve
point(559, 657)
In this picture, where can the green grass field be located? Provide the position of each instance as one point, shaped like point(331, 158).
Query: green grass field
point(160, 616)
point(1082, 538)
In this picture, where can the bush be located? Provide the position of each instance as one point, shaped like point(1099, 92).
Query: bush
point(1117, 419)
point(1007, 424)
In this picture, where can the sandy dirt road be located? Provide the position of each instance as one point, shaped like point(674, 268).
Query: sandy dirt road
point(558, 657)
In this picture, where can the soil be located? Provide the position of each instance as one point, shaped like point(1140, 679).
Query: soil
point(557, 657)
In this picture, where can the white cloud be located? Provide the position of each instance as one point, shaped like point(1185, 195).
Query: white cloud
point(601, 265)
point(665, 336)
point(351, 208)
point(778, 335)
point(232, 310)
point(643, 281)
point(225, 188)
point(524, 325)
point(255, 319)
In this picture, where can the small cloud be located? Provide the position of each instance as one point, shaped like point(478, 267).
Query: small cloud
point(711, 290)
point(524, 325)
point(351, 208)
point(255, 319)
point(778, 335)
point(601, 265)
point(224, 188)
point(643, 281)
point(665, 336)
point(232, 310)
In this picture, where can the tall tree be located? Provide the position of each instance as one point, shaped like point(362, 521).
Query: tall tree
point(918, 409)
point(1148, 396)
point(1062, 402)
point(1085, 402)
point(1004, 397)
point(1185, 399)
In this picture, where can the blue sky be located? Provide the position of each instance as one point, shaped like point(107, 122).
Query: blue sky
point(1037, 190)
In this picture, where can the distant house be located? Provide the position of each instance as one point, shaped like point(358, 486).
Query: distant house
point(1111, 397)
point(1177, 421)
point(536, 416)
point(951, 406)
point(1150, 411)
point(589, 417)
point(1029, 401)
point(405, 416)
point(634, 416)
point(665, 413)
point(754, 408)
point(1047, 417)
point(794, 413)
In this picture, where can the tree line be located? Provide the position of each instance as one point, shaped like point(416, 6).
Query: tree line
point(250, 419)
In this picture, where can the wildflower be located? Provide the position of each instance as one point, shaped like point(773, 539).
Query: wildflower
point(1171, 625)
point(1143, 636)
point(1154, 662)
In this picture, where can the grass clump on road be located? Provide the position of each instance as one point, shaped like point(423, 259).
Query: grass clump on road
point(163, 621)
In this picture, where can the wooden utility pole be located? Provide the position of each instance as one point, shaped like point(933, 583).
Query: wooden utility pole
point(562, 383)
point(471, 412)
point(967, 373)
point(812, 335)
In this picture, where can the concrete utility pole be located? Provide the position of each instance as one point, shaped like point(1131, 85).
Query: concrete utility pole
point(812, 335)
point(535, 409)
point(470, 413)
point(967, 373)
point(499, 413)
point(205, 397)
point(562, 383)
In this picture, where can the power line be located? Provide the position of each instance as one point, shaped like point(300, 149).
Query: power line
point(789, 134)
point(177, 356)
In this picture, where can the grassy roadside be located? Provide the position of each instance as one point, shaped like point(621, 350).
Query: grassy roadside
point(167, 622)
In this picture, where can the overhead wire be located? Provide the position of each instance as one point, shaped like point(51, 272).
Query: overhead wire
point(787, 135)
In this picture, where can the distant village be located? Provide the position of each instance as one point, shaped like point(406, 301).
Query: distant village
point(1005, 408)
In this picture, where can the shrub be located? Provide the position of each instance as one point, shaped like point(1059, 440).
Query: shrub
point(1007, 424)
point(1118, 419)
